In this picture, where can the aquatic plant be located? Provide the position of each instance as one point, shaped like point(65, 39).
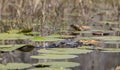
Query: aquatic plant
point(65, 51)
point(111, 50)
point(14, 66)
point(60, 64)
point(52, 56)
point(7, 36)
point(38, 38)
point(61, 36)
point(50, 68)
point(106, 38)
point(7, 48)
point(13, 31)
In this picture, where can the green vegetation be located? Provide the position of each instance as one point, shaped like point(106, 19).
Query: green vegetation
point(33, 23)
point(13, 66)
point(7, 36)
point(65, 51)
point(38, 38)
point(53, 56)
point(7, 48)
point(49, 69)
point(60, 64)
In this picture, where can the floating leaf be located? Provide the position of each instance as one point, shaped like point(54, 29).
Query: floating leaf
point(12, 66)
point(91, 48)
point(65, 51)
point(111, 50)
point(60, 36)
point(13, 31)
point(49, 69)
point(116, 29)
point(112, 42)
point(10, 47)
point(2, 67)
point(7, 36)
point(106, 38)
point(60, 64)
point(38, 38)
point(53, 56)
point(85, 38)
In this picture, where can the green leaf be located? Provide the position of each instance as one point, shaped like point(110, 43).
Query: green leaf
point(85, 38)
point(7, 36)
point(108, 38)
point(53, 56)
point(10, 47)
point(12, 66)
point(38, 38)
point(49, 69)
point(65, 51)
point(2, 67)
point(60, 36)
point(13, 31)
point(113, 50)
point(60, 64)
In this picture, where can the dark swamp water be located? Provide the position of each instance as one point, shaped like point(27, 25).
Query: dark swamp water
point(96, 60)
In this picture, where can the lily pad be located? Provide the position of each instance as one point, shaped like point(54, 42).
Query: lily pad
point(65, 51)
point(7, 36)
point(2, 67)
point(115, 50)
point(38, 38)
point(13, 66)
point(85, 38)
point(53, 56)
point(108, 38)
point(116, 29)
point(49, 69)
point(10, 47)
point(13, 31)
point(60, 36)
point(60, 64)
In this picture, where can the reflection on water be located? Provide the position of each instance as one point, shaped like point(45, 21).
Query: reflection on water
point(97, 61)
point(92, 61)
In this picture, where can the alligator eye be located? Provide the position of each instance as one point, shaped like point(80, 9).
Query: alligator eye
point(26, 48)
